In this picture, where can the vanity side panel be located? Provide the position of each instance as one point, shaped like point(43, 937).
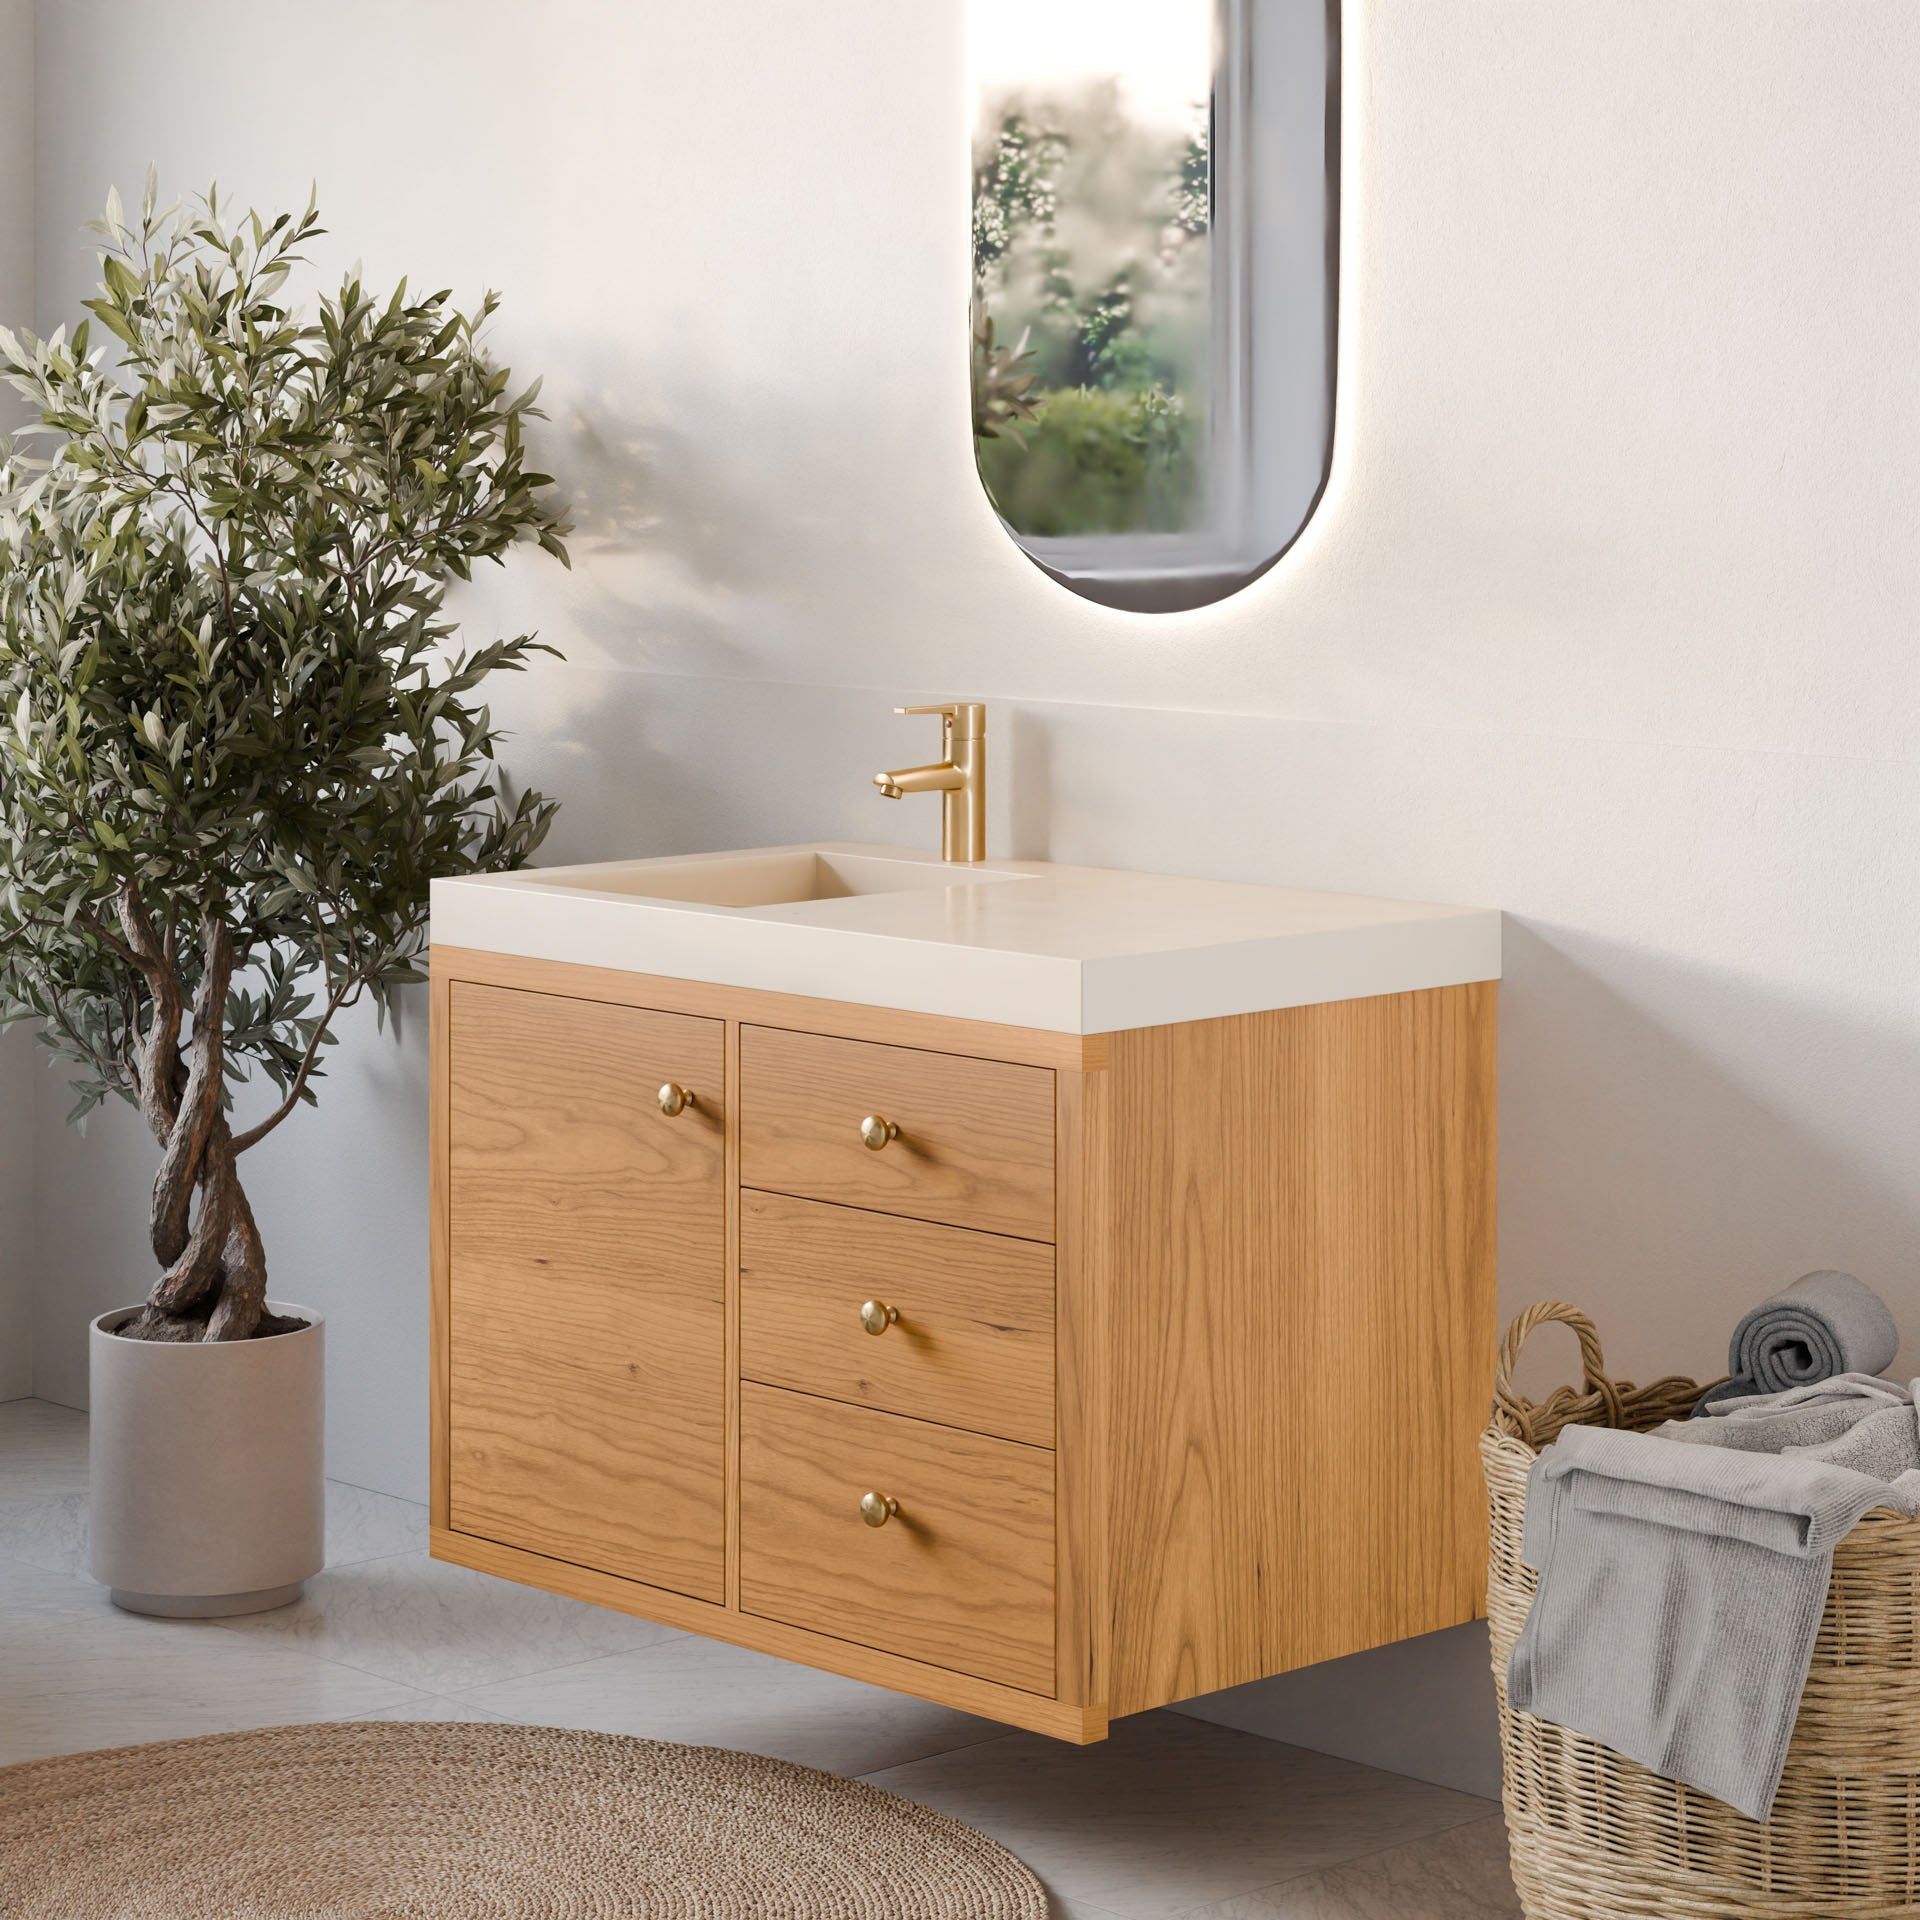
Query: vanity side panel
point(1302, 1335)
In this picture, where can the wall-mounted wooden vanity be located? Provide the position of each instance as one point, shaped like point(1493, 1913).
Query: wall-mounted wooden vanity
point(1183, 1329)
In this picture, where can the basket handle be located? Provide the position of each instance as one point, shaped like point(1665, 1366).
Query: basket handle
point(1593, 1363)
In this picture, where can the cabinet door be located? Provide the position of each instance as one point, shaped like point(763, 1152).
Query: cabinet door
point(586, 1316)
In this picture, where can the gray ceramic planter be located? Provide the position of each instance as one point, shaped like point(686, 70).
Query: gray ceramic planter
point(207, 1468)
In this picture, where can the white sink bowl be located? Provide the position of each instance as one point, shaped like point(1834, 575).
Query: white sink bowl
point(782, 878)
point(1068, 949)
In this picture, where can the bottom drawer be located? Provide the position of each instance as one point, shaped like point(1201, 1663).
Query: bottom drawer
point(960, 1575)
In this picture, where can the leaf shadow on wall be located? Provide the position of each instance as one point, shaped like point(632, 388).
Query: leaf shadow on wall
point(654, 588)
point(689, 542)
point(665, 587)
point(1678, 1141)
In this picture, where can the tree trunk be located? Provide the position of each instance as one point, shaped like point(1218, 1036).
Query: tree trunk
point(213, 1283)
point(217, 1288)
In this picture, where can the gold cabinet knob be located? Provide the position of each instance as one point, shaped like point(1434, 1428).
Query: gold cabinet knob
point(876, 1509)
point(876, 1130)
point(876, 1316)
point(675, 1099)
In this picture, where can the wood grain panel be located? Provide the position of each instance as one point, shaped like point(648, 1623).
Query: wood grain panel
point(976, 1136)
point(585, 1312)
point(1081, 1725)
point(890, 1026)
point(962, 1577)
point(973, 1346)
point(439, 1242)
point(1302, 1335)
point(1083, 1265)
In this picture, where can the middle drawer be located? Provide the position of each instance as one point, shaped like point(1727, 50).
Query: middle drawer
point(972, 1344)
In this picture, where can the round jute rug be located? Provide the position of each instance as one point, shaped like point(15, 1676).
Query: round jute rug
point(368, 1820)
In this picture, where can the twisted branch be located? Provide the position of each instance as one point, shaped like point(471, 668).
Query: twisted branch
point(189, 1282)
point(198, 1111)
point(161, 1073)
point(202, 1228)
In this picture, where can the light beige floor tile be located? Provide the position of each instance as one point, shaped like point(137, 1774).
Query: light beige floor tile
point(49, 1533)
point(43, 1450)
point(75, 1673)
point(1171, 1814)
point(705, 1694)
point(43, 1487)
point(441, 1628)
point(364, 1525)
point(1457, 1875)
point(49, 1529)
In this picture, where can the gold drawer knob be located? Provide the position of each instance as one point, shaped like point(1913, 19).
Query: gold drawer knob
point(876, 1509)
point(876, 1130)
point(876, 1316)
point(674, 1100)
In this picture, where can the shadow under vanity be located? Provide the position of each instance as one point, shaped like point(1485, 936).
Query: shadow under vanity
point(1049, 1292)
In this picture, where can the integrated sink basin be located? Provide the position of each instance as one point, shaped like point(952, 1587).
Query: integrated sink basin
point(1020, 943)
point(781, 878)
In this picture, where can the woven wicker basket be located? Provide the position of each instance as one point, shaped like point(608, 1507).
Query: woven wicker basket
point(1595, 1837)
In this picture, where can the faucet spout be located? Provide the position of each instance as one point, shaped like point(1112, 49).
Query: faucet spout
point(943, 778)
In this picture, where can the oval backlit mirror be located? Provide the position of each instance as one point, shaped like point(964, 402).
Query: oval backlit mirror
point(1154, 230)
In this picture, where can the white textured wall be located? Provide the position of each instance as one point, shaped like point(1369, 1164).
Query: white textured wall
point(1607, 618)
point(16, 1049)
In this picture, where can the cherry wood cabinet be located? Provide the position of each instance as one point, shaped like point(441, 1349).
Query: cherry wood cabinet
point(1122, 1368)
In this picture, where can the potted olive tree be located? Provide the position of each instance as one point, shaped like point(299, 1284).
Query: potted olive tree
point(236, 743)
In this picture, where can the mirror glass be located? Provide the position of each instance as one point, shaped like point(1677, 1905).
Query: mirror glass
point(1153, 242)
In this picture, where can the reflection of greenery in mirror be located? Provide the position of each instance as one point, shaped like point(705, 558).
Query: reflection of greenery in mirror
point(1152, 270)
point(1090, 254)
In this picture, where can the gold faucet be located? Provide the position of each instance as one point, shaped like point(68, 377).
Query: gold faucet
point(959, 778)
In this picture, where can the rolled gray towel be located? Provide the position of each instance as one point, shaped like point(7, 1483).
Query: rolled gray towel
point(1824, 1324)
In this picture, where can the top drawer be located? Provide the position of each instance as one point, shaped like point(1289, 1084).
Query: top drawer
point(974, 1146)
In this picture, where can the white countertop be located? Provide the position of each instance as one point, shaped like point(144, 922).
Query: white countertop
point(1021, 942)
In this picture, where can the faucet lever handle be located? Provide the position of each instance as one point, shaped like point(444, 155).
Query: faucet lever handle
point(962, 719)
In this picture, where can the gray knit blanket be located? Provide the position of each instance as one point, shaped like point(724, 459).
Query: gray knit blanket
point(1680, 1592)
